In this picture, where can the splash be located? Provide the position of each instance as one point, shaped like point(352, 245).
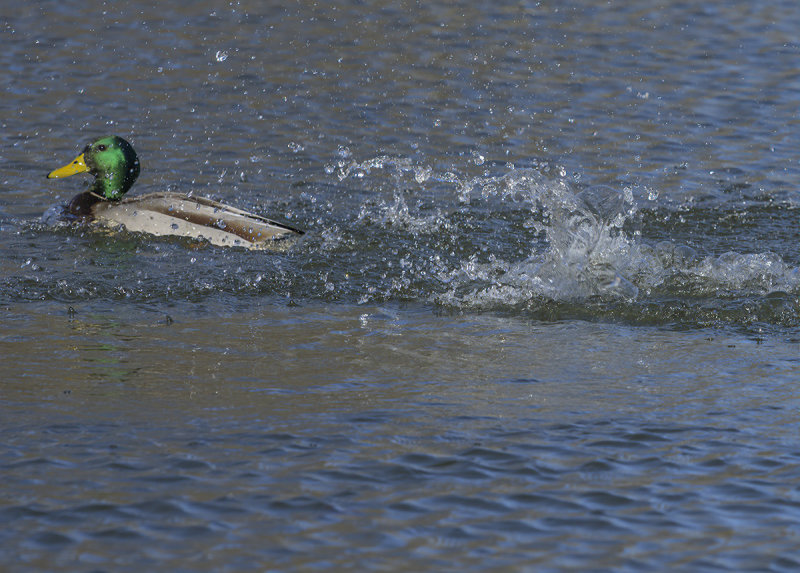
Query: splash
point(583, 244)
point(397, 213)
point(594, 251)
point(586, 251)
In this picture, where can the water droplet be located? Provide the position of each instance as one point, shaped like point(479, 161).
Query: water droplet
point(422, 173)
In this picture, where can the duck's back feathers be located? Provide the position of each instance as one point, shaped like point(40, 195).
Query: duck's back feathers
point(196, 217)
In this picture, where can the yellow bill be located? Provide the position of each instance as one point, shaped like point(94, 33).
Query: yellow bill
point(78, 165)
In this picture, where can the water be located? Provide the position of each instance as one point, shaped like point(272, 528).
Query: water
point(545, 316)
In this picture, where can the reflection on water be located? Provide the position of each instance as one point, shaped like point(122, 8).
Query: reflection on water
point(545, 317)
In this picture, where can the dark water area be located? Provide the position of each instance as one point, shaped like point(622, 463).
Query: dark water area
point(545, 317)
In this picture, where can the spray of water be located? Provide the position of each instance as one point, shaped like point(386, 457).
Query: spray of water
point(585, 245)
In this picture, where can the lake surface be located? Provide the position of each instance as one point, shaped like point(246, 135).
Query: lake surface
point(545, 317)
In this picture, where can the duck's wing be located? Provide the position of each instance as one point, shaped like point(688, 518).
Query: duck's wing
point(197, 217)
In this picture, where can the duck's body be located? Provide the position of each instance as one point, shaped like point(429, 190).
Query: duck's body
point(115, 166)
point(194, 217)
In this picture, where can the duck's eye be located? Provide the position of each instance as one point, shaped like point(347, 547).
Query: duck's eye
point(101, 147)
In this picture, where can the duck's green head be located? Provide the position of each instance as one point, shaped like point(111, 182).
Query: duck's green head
point(113, 163)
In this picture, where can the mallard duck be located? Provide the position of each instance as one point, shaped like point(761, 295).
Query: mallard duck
point(115, 167)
